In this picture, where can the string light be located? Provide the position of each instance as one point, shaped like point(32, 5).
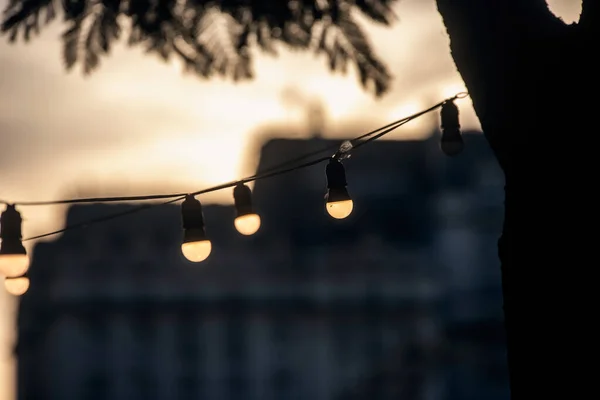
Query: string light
point(452, 142)
point(195, 247)
point(247, 222)
point(338, 202)
point(17, 286)
point(13, 256)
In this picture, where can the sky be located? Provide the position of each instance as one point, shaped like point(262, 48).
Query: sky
point(138, 125)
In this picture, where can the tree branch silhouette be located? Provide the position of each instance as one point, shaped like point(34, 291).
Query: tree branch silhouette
point(212, 38)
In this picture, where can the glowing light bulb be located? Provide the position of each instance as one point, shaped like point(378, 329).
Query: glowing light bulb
point(247, 221)
point(196, 251)
point(340, 209)
point(12, 265)
point(247, 224)
point(195, 247)
point(452, 142)
point(338, 202)
point(17, 286)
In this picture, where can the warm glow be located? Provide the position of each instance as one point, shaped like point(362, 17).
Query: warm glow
point(567, 10)
point(13, 264)
point(340, 97)
point(247, 224)
point(404, 111)
point(411, 130)
point(16, 286)
point(452, 90)
point(208, 159)
point(196, 251)
point(340, 209)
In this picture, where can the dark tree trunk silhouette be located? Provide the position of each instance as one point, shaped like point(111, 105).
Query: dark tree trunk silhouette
point(531, 79)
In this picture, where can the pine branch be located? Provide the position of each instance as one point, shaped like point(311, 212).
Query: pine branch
point(345, 41)
point(211, 38)
point(24, 15)
point(263, 32)
point(71, 39)
point(91, 58)
point(378, 10)
point(223, 37)
point(110, 30)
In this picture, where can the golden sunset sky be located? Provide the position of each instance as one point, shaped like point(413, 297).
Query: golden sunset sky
point(141, 125)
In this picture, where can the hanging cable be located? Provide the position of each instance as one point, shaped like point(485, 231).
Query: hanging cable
point(330, 148)
point(197, 193)
point(105, 218)
point(264, 174)
point(356, 142)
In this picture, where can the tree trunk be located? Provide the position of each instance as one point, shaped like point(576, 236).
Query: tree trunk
point(530, 77)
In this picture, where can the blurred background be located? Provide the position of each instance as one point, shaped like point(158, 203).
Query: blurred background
point(401, 300)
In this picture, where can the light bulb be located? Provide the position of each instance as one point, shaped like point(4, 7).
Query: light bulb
point(195, 247)
point(196, 251)
point(17, 286)
point(338, 202)
point(339, 209)
point(13, 264)
point(247, 224)
point(247, 221)
point(452, 142)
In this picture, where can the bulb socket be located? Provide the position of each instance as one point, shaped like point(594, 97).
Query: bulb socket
point(337, 194)
point(10, 223)
point(336, 182)
point(10, 231)
point(12, 246)
point(194, 235)
point(242, 196)
point(336, 175)
point(191, 214)
point(450, 116)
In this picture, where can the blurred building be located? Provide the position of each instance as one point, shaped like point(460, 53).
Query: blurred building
point(470, 212)
point(401, 300)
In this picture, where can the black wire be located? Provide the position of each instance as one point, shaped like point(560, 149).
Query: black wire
point(267, 173)
point(414, 116)
point(199, 192)
point(233, 183)
point(85, 224)
point(100, 199)
point(328, 149)
point(359, 139)
point(223, 186)
point(172, 195)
